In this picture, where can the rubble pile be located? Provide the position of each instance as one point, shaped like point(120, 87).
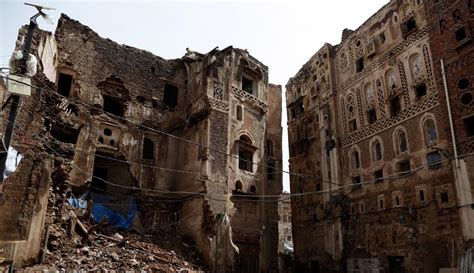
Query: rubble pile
point(72, 242)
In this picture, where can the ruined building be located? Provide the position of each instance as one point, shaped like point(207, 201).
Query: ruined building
point(193, 143)
point(386, 165)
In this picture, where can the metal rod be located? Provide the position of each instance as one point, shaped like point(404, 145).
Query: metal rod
point(451, 125)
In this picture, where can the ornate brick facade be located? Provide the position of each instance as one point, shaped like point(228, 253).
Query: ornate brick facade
point(370, 134)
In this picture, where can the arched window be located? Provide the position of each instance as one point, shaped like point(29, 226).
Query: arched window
point(402, 142)
point(377, 151)
point(246, 151)
point(239, 112)
point(253, 189)
point(269, 148)
point(355, 160)
point(391, 80)
point(430, 131)
point(238, 186)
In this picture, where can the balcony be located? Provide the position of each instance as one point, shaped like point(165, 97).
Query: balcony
point(254, 101)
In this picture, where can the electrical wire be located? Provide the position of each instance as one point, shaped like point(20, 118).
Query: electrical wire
point(395, 176)
point(182, 139)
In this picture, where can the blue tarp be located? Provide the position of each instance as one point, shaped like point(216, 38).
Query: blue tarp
point(117, 212)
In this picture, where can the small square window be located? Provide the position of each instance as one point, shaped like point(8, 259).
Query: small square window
point(404, 166)
point(469, 126)
point(420, 90)
point(460, 34)
point(378, 175)
point(444, 197)
point(356, 180)
point(372, 116)
point(408, 26)
point(395, 106)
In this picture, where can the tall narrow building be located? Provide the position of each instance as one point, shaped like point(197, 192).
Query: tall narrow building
point(369, 134)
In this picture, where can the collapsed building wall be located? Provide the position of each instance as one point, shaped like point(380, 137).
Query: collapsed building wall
point(123, 124)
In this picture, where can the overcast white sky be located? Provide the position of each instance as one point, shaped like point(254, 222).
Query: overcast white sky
point(281, 34)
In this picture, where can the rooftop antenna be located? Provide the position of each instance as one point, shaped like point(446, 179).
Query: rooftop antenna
point(31, 28)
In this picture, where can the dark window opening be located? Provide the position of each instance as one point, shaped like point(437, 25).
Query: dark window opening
point(297, 109)
point(420, 90)
point(253, 189)
point(356, 180)
point(318, 187)
point(408, 26)
point(422, 196)
point(395, 106)
point(239, 113)
point(352, 125)
point(148, 149)
point(101, 140)
point(65, 84)
point(238, 186)
point(378, 175)
point(360, 64)
point(98, 184)
point(404, 166)
point(381, 204)
point(434, 160)
point(64, 133)
point(247, 85)
point(397, 201)
point(444, 197)
point(466, 99)
point(396, 264)
point(112, 142)
point(141, 99)
point(378, 151)
point(170, 97)
point(460, 34)
point(463, 84)
point(245, 160)
point(107, 132)
point(372, 116)
point(355, 160)
point(113, 106)
point(469, 126)
point(269, 148)
point(382, 37)
point(403, 142)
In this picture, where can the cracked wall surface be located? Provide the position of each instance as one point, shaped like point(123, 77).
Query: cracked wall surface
point(121, 121)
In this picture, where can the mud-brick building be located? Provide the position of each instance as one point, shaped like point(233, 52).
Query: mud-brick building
point(201, 133)
point(369, 131)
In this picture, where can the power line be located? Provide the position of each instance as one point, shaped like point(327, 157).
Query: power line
point(259, 196)
point(178, 138)
point(183, 139)
point(396, 176)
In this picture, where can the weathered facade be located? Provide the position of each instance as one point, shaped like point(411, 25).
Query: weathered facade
point(192, 141)
point(285, 238)
point(370, 136)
